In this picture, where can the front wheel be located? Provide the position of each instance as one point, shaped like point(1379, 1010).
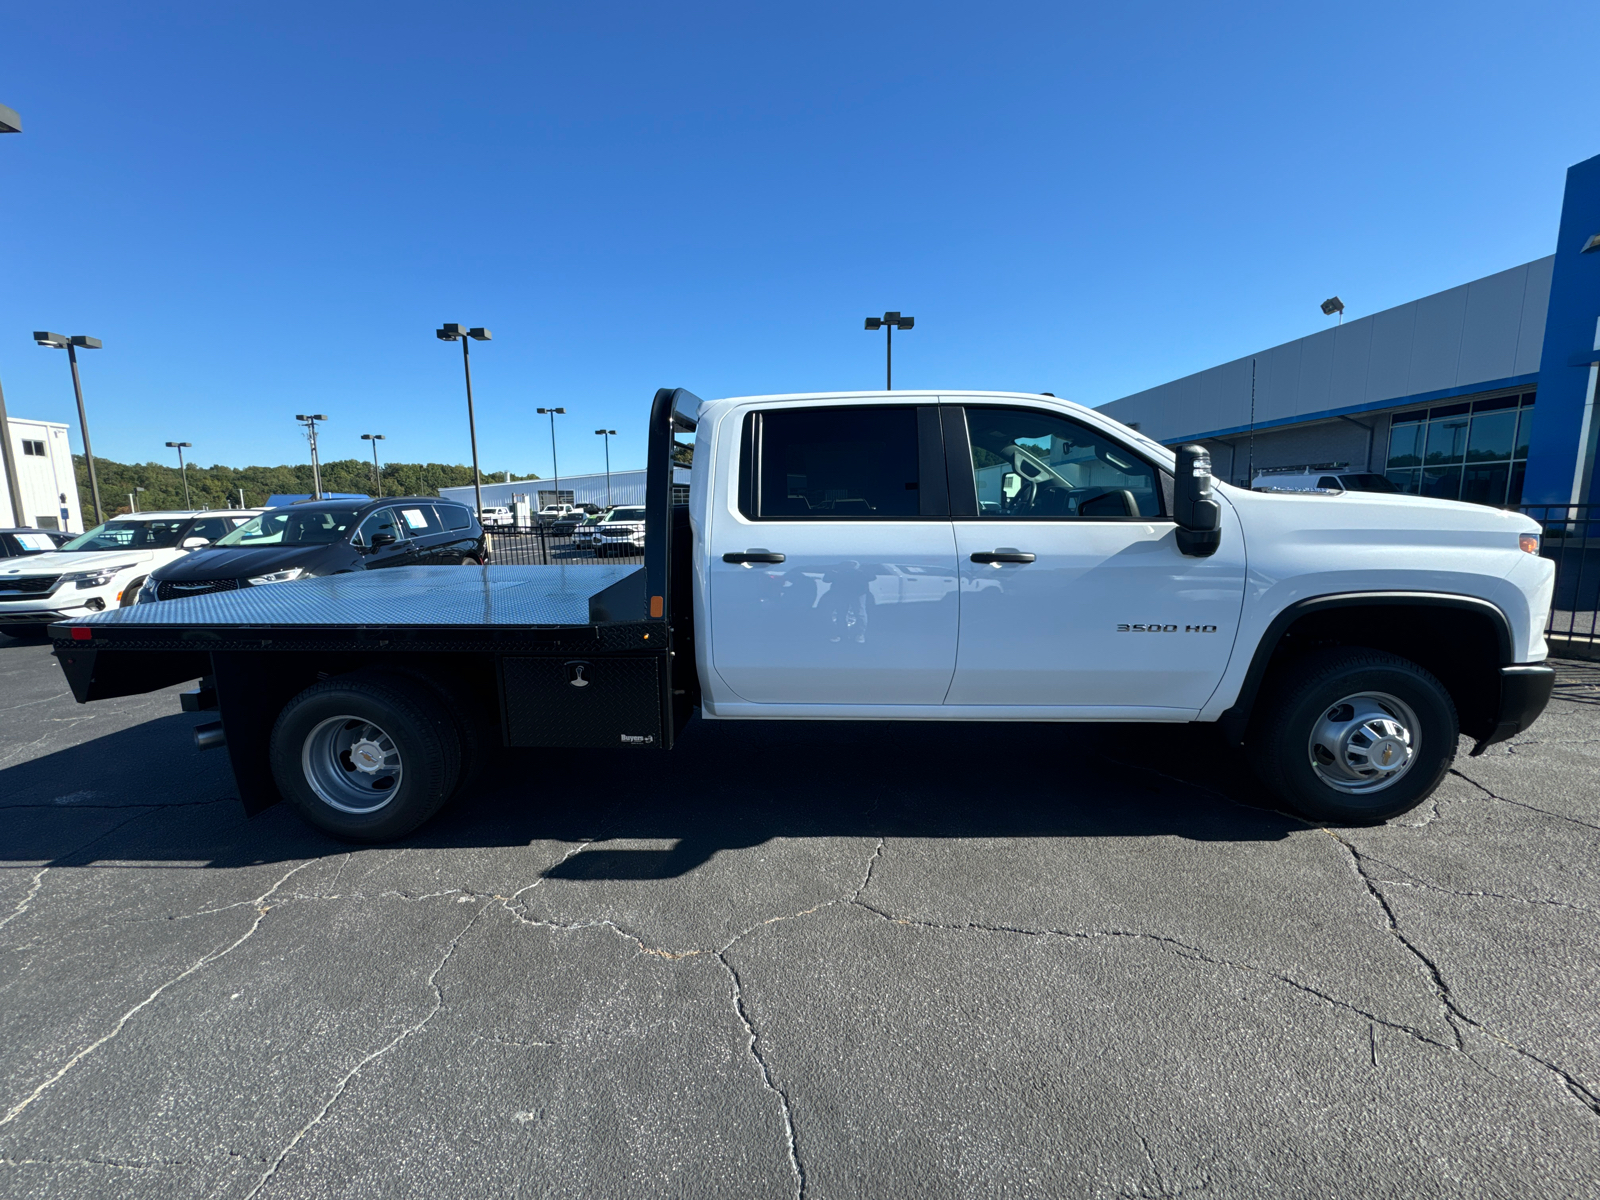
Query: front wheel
point(367, 759)
point(1356, 735)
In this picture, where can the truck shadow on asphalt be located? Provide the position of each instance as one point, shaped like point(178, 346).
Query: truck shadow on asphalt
point(144, 796)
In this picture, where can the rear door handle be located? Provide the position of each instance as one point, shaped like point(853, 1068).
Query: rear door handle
point(752, 556)
point(1001, 556)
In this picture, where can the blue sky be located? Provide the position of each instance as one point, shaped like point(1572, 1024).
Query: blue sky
point(265, 210)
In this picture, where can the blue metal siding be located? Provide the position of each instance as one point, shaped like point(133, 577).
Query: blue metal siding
point(1569, 330)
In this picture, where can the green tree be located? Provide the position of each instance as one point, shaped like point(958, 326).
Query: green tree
point(219, 486)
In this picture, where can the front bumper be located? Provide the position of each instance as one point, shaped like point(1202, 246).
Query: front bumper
point(1524, 691)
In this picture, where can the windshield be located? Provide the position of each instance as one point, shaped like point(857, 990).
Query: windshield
point(292, 527)
point(130, 535)
point(1367, 483)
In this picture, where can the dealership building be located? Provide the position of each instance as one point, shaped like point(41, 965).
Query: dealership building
point(1484, 392)
point(600, 489)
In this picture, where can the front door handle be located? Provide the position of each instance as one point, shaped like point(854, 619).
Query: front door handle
point(752, 556)
point(996, 557)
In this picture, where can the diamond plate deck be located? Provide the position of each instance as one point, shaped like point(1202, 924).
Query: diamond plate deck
point(400, 597)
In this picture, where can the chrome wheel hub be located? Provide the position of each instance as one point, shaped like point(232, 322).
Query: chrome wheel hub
point(1364, 742)
point(351, 764)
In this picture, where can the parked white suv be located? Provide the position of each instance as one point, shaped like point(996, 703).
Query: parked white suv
point(102, 568)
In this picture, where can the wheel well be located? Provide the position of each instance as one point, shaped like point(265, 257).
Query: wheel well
point(1461, 646)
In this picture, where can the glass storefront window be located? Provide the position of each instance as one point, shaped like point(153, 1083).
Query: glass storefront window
point(1492, 436)
point(1469, 450)
point(1405, 445)
point(1442, 483)
point(1524, 430)
point(1447, 441)
point(1485, 483)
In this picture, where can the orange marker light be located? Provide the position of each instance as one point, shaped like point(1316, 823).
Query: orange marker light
point(657, 606)
point(1529, 542)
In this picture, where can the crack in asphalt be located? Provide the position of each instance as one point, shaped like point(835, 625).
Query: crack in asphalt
point(1584, 1095)
point(1416, 881)
point(1441, 989)
point(262, 909)
point(22, 905)
point(339, 1089)
point(1521, 803)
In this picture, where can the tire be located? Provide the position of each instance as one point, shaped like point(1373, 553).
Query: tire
point(25, 633)
point(1328, 728)
point(324, 732)
point(473, 716)
point(468, 562)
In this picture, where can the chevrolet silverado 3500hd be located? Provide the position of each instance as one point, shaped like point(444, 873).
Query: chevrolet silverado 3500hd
point(951, 556)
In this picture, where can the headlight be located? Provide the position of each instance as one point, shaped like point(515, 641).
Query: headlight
point(148, 593)
point(92, 579)
point(278, 576)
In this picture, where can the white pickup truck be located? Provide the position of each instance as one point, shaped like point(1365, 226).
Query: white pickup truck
point(951, 556)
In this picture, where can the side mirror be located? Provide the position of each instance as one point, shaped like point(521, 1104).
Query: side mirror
point(1198, 514)
point(380, 540)
point(194, 543)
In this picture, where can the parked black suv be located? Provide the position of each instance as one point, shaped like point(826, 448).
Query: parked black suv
point(325, 537)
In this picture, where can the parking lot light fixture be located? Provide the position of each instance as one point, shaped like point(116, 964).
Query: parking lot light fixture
point(608, 434)
point(555, 463)
point(309, 420)
point(180, 447)
point(57, 341)
point(377, 471)
point(889, 322)
point(451, 332)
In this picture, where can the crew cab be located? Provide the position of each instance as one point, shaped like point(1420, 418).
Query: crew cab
point(949, 556)
point(104, 567)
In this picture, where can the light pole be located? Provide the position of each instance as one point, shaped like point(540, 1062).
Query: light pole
point(309, 420)
point(377, 471)
point(72, 345)
point(10, 123)
point(890, 321)
point(133, 500)
point(608, 434)
point(455, 333)
point(180, 447)
point(555, 466)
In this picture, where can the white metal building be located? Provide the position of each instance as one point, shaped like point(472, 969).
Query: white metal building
point(45, 472)
point(627, 487)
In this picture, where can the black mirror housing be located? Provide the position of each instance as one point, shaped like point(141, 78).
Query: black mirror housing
point(1198, 514)
point(380, 540)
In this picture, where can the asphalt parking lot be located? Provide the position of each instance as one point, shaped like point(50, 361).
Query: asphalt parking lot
point(830, 961)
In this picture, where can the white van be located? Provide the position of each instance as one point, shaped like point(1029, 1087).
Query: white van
point(1309, 479)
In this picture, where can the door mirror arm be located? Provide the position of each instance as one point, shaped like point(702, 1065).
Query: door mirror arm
point(1198, 514)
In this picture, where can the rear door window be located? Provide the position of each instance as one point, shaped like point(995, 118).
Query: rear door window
point(453, 516)
point(420, 520)
point(858, 463)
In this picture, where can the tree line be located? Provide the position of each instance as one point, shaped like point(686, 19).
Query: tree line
point(219, 486)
